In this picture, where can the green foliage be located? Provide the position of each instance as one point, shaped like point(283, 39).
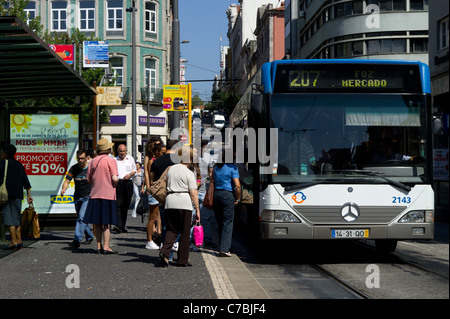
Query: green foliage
point(196, 101)
point(16, 8)
point(225, 101)
point(76, 37)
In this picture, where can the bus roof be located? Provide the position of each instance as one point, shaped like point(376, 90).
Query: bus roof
point(271, 67)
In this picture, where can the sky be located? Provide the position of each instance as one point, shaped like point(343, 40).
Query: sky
point(201, 23)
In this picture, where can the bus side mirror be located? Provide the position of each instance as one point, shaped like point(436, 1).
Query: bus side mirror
point(437, 125)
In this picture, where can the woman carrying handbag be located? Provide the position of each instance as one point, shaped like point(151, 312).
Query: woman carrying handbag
point(16, 181)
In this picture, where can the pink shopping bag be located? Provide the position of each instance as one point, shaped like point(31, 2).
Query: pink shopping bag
point(198, 235)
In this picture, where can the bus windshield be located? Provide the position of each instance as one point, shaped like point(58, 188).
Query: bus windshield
point(349, 138)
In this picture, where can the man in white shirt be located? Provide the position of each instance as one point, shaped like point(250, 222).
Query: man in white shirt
point(124, 190)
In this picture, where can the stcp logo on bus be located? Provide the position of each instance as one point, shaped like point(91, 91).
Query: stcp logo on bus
point(299, 197)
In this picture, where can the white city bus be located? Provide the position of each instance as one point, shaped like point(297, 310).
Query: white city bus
point(353, 151)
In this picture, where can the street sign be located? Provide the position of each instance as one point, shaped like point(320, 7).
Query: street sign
point(95, 54)
point(176, 97)
point(183, 138)
point(109, 95)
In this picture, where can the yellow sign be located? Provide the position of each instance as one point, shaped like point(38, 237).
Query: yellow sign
point(176, 97)
point(57, 199)
point(109, 95)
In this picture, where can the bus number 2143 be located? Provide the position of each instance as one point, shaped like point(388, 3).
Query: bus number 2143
point(401, 200)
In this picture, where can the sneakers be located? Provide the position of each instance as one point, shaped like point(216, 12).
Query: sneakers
point(151, 245)
point(175, 246)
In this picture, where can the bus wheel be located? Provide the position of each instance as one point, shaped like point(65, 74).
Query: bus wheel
point(385, 246)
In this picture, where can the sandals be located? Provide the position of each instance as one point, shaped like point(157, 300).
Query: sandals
point(224, 254)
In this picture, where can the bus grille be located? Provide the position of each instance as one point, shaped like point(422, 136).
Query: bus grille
point(325, 215)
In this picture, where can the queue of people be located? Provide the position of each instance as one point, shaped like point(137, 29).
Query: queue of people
point(104, 188)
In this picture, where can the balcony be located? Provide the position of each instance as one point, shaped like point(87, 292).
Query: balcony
point(156, 95)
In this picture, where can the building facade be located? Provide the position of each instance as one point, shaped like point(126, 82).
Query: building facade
point(110, 20)
point(269, 35)
point(369, 29)
point(242, 20)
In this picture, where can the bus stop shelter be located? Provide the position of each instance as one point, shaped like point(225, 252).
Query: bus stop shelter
point(30, 69)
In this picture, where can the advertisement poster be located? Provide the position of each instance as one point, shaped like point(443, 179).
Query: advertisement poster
point(95, 54)
point(440, 164)
point(65, 51)
point(176, 97)
point(46, 146)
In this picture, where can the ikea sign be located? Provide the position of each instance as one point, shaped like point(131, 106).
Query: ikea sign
point(57, 199)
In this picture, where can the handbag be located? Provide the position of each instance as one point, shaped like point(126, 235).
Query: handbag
point(208, 201)
point(30, 223)
point(198, 234)
point(159, 188)
point(3, 190)
point(142, 206)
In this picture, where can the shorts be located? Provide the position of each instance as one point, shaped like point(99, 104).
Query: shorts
point(152, 200)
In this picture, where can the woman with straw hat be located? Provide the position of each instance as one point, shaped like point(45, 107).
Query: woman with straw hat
point(101, 209)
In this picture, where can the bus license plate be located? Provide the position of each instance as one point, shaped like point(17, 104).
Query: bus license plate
point(349, 233)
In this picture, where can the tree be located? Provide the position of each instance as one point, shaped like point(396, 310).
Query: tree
point(196, 101)
point(76, 37)
point(224, 101)
point(17, 8)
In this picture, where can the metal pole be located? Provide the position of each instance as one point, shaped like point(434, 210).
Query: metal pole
point(175, 115)
point(148, 109)
point(94, 121)
point(133, 9)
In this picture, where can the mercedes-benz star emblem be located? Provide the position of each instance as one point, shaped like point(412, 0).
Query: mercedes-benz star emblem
point(350, 212)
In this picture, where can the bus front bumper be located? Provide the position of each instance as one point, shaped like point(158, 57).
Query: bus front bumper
point(400, 231)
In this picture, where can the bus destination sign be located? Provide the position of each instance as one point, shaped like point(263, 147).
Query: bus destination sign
point(351, 78)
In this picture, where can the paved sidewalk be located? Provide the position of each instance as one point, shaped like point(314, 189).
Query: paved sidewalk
point(47, 268)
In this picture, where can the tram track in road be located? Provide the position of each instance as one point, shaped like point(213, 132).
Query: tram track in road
point(422, 267)
point(358, 293)
point(325, 270)
point(285, 275)
point(404, 260)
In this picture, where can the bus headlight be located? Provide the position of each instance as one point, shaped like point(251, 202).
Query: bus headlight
point(279, 216)
point(413, 217)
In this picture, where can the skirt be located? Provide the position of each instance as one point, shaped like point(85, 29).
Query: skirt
point(101, 212)
point(11, 212)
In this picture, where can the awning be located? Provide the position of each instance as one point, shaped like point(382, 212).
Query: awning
point(30, 69)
